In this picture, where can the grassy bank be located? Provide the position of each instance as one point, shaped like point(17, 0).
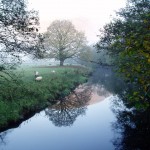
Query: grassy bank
point(25, 95)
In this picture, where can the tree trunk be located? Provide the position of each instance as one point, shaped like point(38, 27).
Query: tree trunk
point(61, 62)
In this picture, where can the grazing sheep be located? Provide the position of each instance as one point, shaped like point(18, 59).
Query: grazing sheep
point(53, 71)
point(39, 78)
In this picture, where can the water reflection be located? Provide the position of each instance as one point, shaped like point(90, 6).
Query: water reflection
point(134, 128)
point(106, 78)
point(99, 93)
point(132, 125)
point(94, 128)
point(3, 136)
point(65, 112)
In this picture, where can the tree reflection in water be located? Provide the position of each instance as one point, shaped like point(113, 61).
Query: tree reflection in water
point(134, 128)
point(3, 137)
point(65, 112)
point(132, 124)
point(102, 84)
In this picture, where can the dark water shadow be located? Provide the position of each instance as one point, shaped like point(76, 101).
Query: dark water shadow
point(133, 126)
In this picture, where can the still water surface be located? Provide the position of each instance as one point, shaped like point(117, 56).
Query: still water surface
point(83, 121)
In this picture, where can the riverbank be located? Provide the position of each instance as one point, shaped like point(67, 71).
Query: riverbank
point(29, 96)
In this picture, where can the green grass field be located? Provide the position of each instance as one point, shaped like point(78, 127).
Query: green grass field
point(25, 95)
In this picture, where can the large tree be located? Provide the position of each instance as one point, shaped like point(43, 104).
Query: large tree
point(127, 39)
point(63, 41)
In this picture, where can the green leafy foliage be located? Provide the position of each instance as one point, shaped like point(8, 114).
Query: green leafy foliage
point(127, 39)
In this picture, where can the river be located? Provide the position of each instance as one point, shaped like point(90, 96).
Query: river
point(84, 120)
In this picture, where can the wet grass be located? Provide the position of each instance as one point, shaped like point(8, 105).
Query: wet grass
point(27, 95)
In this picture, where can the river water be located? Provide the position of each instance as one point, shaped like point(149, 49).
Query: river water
point(84, 120)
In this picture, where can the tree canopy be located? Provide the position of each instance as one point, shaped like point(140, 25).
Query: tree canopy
point(127, 39)
point(63, 41)
point(18, 32)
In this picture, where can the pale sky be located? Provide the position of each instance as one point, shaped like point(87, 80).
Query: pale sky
point(87, 15)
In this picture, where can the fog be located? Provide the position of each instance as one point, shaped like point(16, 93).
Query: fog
point(87, 15)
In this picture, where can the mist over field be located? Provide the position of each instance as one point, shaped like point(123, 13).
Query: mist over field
point(75, 74)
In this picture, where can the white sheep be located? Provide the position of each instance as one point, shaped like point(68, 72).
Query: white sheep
point(39, 78)
point(53, 71)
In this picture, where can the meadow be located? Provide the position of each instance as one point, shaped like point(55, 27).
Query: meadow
point(24, 95)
